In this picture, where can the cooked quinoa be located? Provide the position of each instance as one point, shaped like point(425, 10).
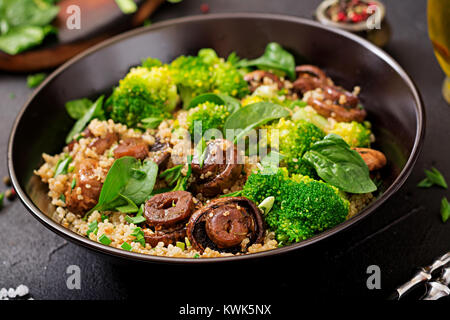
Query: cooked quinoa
point(195, 206)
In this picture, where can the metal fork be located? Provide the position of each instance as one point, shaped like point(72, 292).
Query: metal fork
point(435, 289)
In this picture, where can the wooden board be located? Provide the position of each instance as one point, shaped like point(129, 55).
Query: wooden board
point(100, 19)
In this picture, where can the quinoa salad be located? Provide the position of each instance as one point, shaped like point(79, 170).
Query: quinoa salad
point(212, 157)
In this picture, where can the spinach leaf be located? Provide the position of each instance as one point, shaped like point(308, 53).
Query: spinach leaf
point(77, 108)
point(94, 111)
point(218, 98)
point(124, 189)
point(34, 80)
point(151, 123)
point(21, 38)
point(339, 165)
point(254, 115)
point(171, 175)
point(62, 165)
point(274, 58)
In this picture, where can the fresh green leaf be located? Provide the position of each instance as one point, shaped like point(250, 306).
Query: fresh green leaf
point(139, 218)
point(73, 184)
point(151, 123)
point(123, 190)
point(254, 115)
point(28, 12)
point(21, 38)
point(267, 204)
point(339, 165)
point(274, 58)
point(62, 165)
point(183, 181)
point(77, 108)
point(200, 152)
point(445, 210)
point(433, 177)
point(217, 98)
point(232, 194)
point(127, 6)
point(104, 239)
point(34, 80)
point(126, 246)
point(139, 234)
point(171, 175)
point(92, 228)
point(94, 111)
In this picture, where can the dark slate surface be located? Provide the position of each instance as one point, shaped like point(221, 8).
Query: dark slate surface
point(403, 234)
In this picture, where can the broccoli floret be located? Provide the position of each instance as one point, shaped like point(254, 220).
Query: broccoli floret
point(294, 139)
point(354, 133)
point(303, 206)
point(309, 114)
point(143, 93)
point(211, 115)
point(205, 73)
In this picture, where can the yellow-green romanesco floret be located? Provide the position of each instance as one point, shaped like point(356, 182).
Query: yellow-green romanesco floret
point(354, 133)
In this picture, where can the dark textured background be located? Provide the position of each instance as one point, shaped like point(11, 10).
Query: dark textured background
point(406, 232)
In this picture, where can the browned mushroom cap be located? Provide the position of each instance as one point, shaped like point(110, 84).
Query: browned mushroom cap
point(168, 209)
point(90, 187)
point(374, 159)
point(160, 153)
point(102, 144)
point(224, 223)
point(166, 236)
point(309, 78)
point(220, 168)
point(133, 147)
point(85, 134)
point(256, 78)
point(340, 113)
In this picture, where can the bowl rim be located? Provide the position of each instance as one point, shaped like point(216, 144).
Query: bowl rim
point(98, 247)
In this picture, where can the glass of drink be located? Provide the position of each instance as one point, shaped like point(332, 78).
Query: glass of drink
point(439, 33)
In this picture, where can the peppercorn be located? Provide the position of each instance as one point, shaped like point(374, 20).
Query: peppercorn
point(7, 181)
point(10, 194)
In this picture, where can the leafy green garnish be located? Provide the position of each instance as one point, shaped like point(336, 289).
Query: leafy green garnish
point(25, 23)
point(77, 108)
point(139, 218)
point(200, 151)
point(232, 194)
point(92, 228)
point(434, 177)
point(95, 111)
point(127, 6)
point(33, 80)
point(73, 184)
point(274, 58)
point(183, 181)
point(252, 116)
point(139, 234)
point(123, 190)
point(62, 197)
point(104, 239)
point(339, 165)
point(171, 175)
point(2, 197)
point(217, 98)
point(151, 123)
point(62, 165)
point(445, 209)
point(126, 246)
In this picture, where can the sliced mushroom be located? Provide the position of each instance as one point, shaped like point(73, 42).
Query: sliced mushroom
point(220, 168)
point(102, 144)
point(168, 209)
point(340, 113)
point(133, 147)
point(81, 200)
point(160, 153)
point(224, 224)
point(374, 159)
point(166, 236)
point(256, 78)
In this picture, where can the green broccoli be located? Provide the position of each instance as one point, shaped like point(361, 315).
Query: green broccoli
point(143, 93)
point(354, 133)
point(294, 139)
point(206, 72)
point(303, 206)
point(309, 114)
point(211, 115)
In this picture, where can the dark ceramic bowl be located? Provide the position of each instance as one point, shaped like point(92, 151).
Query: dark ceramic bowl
point(393, 102)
